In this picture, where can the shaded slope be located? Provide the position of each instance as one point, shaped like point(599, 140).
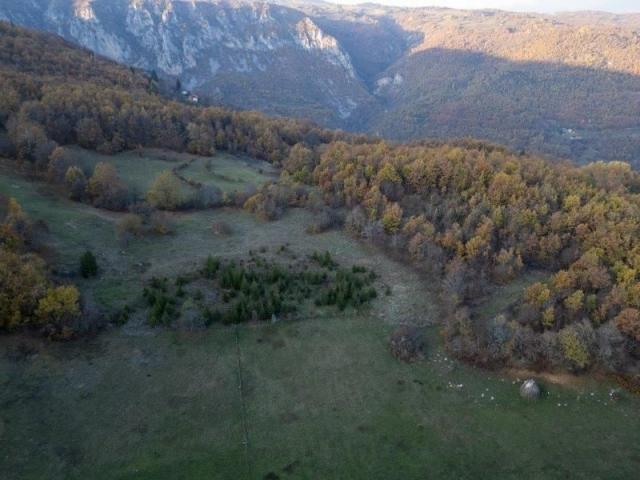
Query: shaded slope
point(566, 111)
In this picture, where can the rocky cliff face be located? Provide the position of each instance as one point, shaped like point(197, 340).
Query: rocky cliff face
point(244, 54)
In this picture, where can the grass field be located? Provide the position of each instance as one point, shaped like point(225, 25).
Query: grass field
point(321, 399)
point(315, 398)
point(503, 296)
point(139, 169)
point(229, 173)
point(75, 227)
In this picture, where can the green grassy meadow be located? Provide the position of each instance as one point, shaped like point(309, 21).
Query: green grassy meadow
point(139, 169)
point(319, 397)
point(229, 173)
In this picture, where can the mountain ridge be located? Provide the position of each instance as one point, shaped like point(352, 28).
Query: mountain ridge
point(375, 68)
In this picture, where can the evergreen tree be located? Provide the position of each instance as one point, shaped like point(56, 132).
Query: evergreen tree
point(88, 265)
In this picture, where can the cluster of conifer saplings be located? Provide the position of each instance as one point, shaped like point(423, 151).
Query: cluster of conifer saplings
point(259, 289)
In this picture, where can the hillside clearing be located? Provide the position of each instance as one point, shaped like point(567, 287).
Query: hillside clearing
point(319, 397)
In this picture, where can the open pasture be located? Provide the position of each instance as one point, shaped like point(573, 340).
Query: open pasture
point(229, 173)
point(319, 397)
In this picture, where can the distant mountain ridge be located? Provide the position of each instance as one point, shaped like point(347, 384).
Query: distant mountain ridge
point(224, 49)
point(567, 85)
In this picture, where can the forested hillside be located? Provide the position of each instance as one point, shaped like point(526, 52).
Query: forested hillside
point(468, 214)
point(251, 55)
point(55, 94)
point(478, 215)
point(595, 40)
point(565, 85)
point(53, 91)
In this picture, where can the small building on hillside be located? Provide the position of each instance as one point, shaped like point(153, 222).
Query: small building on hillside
point(190, 97)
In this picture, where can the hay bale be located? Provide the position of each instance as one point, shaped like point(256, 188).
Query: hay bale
point(530, 390)
point(615, 394)
point(407, 344)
